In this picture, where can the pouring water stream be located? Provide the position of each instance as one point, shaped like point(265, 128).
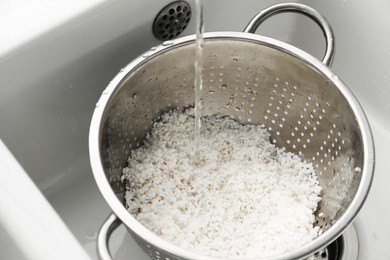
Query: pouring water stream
point(198, 83)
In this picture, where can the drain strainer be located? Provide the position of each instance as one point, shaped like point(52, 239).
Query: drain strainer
point(346, 247)
point(172, 20)
point(331, 252)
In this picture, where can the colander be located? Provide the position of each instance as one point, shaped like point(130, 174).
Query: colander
point(254, 79)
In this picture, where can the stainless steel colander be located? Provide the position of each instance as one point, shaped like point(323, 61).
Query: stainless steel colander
point(256, 80)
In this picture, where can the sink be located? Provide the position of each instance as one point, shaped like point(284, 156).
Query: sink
point(51, 80)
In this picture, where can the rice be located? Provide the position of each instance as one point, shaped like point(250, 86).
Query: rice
point(242, 197)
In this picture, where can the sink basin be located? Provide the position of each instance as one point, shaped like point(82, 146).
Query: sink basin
point(52, 79)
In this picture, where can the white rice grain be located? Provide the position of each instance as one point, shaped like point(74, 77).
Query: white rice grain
point(244, 196)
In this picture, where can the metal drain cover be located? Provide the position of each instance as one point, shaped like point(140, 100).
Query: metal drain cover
point(346, 247)
point(331, 252)
point(172, 20)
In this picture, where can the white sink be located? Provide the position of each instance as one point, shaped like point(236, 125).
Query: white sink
point(51, 80)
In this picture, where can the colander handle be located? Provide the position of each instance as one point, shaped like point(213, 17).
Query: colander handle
point(111, 223)
point(297, 8)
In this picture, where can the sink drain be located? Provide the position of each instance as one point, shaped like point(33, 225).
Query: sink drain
point(172, 20)
point(346, 247)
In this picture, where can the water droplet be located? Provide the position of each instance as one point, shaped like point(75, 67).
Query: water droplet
point(211, 92)
point(134, 96)
point(334, 77)
point(358, 169)
point(92, 236)
point(167, 43)
point(153, 49)
point(121, 70)
point(145, 55)
point(235, 60)
point(224, 86)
